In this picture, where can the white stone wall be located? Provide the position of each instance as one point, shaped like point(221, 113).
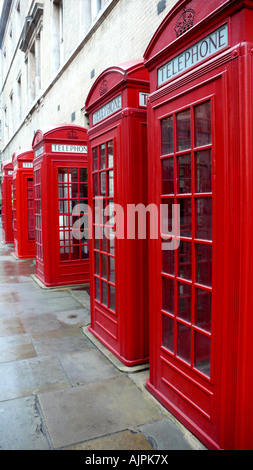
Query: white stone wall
point(120, 32)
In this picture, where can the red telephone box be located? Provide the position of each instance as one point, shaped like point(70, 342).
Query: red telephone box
point(201, 158)
point(61, 205)
point(116, 105)
point(23, 204)
point(7, 181)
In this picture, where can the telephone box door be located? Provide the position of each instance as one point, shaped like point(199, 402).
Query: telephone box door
point(186, 322)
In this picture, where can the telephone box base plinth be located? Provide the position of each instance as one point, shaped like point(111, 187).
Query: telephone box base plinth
point(130, 364)
point(111, 356)
point(59, 286)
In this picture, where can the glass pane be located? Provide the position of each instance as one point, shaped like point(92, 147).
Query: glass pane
point(204, 264)
point(104, 266)
point(185, 217)
point(97, 266)
point(102, 184)
point(184, 301)
point(168, 333)
point(111, 240)
point(102, 156)
point(184, 342)
point(168, 261)
point(110, 154)
point(112, 269)
point(203, 134)
point(168, 176)
point(204, 218)
point(184, 130)
point(83, 175)
point(95, 158)
point(104, 293)
point(203, 309)
point(84, 251)
point(63, 191)
point(73, 175)
point(202, 353)
point(184, 174)
point(203, 162)
point(167, 135)
point(110, 183)
point(74, 191)
point(168, 294)
point(97, 288)
point(185, 260)
point(112, 298)
point(62, 175)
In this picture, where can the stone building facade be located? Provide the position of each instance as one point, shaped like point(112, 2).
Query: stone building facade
point(52, 51)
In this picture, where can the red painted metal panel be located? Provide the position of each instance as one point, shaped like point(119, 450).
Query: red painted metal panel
point(23, 204)
point(61, 205)
point(197, 319)
point(117, 175)
point(6, 187)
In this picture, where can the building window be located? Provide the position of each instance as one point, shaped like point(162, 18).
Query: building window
point(57, 34)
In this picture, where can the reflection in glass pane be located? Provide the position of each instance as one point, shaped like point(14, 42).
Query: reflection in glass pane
point(110, 154)
point(73, 175)
point(97, 289)
point(84, 251)
point(168, 260)
point(202, 353)
point(184, 301)
point(184, 342)
point(63, 191)
point(168, 294)
point(102, 156)
point(112, 269)
point(102, 184)
point(203, 165)
point(184, 130)
point(62, 175)
point(104, 292)
point(83, 175)
point(97, 266)
point(168, 333)
point(185, 260)
point(95, 158)
point(203, 309)
point(104, 266)
point(204, 264)
point(184, 174)
point(185, 217)
point(110, 183)
point(95, 185)
point(204, 218)
point(112, 297)
point(203, 134)
point(168, 176)
point(167, 135)
point(73, 191)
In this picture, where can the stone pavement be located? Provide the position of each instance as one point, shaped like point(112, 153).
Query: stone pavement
point(58, 390)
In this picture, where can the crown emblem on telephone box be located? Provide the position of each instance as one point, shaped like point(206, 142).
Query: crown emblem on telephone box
point(185, 21)
point(72, 135)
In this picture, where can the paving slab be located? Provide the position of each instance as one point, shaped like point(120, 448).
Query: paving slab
point(85, 367)
point(90, 411)
point(125, 440)
point(16, 348)
point(60, 341)
point(11, 326)
point(166, 435)
point(29, 376)
point(26, 431)
point(36, 306)
point(77, 317)
point(43, 322)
